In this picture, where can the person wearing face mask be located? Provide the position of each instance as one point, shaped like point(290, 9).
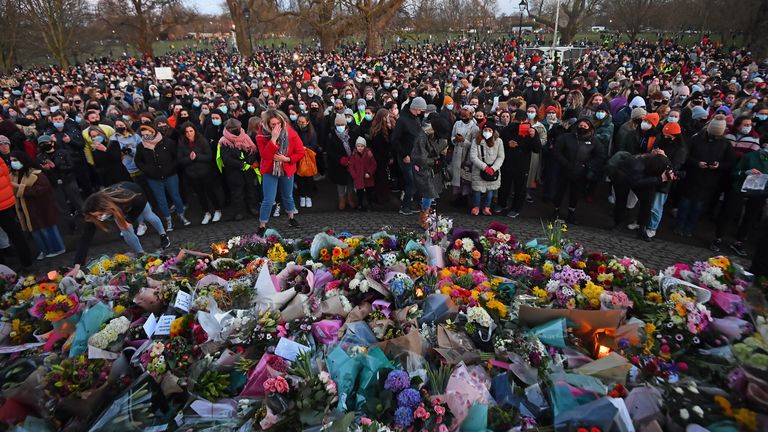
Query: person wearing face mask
point(709, 154)
point(603, 138)
point(58, 167)
point(749, 204)
point(429, 163)
point(743, 137)
point(107, 158)
point(68, 136)
point(157, 158)
point(520, 140)
point(448, 111)
point(534, 172)
point(407, 129)
point(671, 145)
point(34, 198)
point(744, 107)
point(379, 133)
point(8, 222)
point(237, 159)
point(359, 115)
point(125, 205)
point(465, 132)
point(550, 167)
point(487, 155)
point(534, 94)
point(760, 120)
point(574, 151)
point(305, 181)
point(339, 147)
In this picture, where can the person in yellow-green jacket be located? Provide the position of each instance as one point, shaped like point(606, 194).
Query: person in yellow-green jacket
point(237, 159)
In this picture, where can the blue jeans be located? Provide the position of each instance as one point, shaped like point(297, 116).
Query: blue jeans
point(409, 183)
point(130, 236)
point(270, 184)
point(688, 213)
point(486, 202)
point(657, 210)
point(426, 203)
point(170, 186)
point(48, 240)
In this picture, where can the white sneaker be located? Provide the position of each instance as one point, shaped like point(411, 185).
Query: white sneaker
point(41, 256)
point(206, 219)
point(277, 211)
point(302, 202)
point(184, 220)
point(650, 233)
point(611, 199)
point(55, 254)
point(217, 216)
point(169, 224)
point(309, 202)
point(633, 226)
point(141, 230)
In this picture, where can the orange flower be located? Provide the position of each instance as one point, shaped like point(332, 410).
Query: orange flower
point(476, 254)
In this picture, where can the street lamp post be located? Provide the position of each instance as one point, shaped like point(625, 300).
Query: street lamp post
point(523, 6)
point(247, 15)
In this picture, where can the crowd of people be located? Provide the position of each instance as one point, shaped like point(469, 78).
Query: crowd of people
point(487, 126)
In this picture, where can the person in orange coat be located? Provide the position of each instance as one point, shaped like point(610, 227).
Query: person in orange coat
point(8, 221)
point(280, 148)
point(362, 167)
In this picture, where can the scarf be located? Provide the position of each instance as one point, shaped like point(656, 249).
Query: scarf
point(282, 148)
point(240, 142)
point(344, 137)
point(150, 145)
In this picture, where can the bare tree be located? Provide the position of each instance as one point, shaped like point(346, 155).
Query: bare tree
point(237, 10)
point(142, 22)
point(58, 22)
point(10, 20)
point(634, 15)
point(574, 15)
point(376, 15)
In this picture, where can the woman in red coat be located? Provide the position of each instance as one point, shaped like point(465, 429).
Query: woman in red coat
point(281, 149)
point(362, 167)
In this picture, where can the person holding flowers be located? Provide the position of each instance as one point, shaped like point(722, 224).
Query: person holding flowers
point(487, 156)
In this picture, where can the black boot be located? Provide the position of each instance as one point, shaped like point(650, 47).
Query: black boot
point(556, 214)
point(571, 219)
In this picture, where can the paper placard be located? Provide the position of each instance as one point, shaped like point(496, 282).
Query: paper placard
point(183, 300)
point(205, 408)
point(754, 183)
point(289, 349)
point(19, 348)
point(164, 325)
point(150, 324)
point(163, 73)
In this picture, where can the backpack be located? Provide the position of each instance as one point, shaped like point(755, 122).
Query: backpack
point(307, 166)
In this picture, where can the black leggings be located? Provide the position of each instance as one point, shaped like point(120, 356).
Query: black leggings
point(731, 213)
point(361, 193)
point(305, 186)
point(574, 186)
point(204, 189)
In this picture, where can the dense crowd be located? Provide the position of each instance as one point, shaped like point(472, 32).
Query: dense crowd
point(480, 124)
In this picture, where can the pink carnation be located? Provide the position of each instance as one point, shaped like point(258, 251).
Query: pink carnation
point(439, 409)
point(269, 385)
point(365, 421)
point(281, 385)
point(421, 413)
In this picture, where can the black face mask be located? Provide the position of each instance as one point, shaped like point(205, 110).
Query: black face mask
point(120, 129)
point(466, 120)
point(583, 133)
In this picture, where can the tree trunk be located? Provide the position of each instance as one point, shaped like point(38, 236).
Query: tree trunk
point(568, 33)
point(241, 27)
point(7, 59)
point(328, 40)
point(372, 39)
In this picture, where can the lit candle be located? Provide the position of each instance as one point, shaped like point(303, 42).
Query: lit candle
point(603, 351)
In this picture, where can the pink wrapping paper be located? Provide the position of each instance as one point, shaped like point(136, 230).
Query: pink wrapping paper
point(262, 372)
point(327, 331)
point(467, 386)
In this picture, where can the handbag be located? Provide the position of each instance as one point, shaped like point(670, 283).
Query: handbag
point(466, 168)
point(484, 175)
point(445, 172)
point(307, 166)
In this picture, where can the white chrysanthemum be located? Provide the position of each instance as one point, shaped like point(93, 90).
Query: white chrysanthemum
point(479, 316)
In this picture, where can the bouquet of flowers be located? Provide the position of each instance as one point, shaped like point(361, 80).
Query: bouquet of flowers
point(75, 376)
point(55, 308)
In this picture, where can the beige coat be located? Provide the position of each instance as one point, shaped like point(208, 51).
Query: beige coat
point(493, 156)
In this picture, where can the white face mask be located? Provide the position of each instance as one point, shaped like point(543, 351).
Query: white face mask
point(487, 135)
point(645, 126)
point(551, 118)
point(745, 130)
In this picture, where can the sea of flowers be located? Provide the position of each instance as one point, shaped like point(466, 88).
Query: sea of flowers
point(443, 330)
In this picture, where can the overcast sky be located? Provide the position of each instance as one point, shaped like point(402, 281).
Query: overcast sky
point(214, 6)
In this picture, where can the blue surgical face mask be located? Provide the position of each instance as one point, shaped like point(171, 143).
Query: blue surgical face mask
point(762, 117)
point(449, 107)
point(99, 139)
point(251, 109)
point(750, 105)
point(78, 119)
point(361, 107)
point(348, 97)
point(340, 128)
point(223, 109)
point(16, 165)
point(216, 122)
point(349, 120)
point(600, 115)
point(531, 116)
point(293, 117)
point(369, 117)
point(672, 119)
point(58, 125)
point(196, 104)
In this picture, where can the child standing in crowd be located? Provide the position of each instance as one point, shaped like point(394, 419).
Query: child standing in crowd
point(362, 168)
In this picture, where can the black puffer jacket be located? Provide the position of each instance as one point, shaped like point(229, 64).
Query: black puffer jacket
point(160, 163)
point(701, 183)
point(404, 134)
point(202, 166)
point(574, 154)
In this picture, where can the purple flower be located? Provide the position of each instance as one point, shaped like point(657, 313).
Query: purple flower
point(397, 380)
point(403, 417)
point(409, 398)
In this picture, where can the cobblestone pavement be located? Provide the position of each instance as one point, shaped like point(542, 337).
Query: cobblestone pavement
point(590, 230)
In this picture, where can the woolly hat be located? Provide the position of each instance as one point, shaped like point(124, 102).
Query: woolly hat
point(671, 129)
point(551, 109)
point(340, 118)
point(419, 103)
point(698, 113)
point(638, 113)
point(348, 111)
point(43, 139)
point(637, 101)
point(447, 100)
point(716, 127)
point(683, 91)
point(361, 140)
point(652, 118)
point(4, 140)
point(362, 102)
